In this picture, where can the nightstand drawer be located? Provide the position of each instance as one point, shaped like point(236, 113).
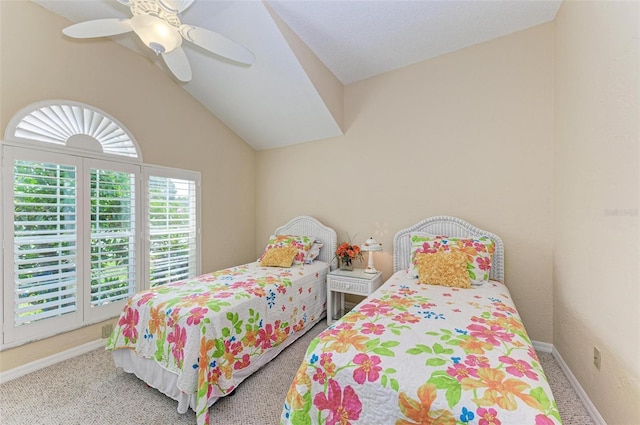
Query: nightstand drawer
point(355, 282)
point(362, 288)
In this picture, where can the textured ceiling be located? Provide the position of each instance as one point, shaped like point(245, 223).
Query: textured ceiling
point(360, 39)
point(274, 102)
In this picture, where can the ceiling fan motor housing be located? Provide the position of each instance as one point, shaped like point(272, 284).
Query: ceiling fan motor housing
point(154, 8)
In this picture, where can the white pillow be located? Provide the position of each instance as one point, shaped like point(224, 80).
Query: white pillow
point(313, 252)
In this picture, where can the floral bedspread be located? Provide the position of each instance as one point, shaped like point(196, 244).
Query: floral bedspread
point(422, 354)
point(213, 328)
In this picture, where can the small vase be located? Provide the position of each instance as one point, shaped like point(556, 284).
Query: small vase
point(346, 264)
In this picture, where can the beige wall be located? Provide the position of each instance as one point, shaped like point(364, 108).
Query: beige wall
point(468, 134)
point(596, 176)
point(171, 128)
point(540, 148)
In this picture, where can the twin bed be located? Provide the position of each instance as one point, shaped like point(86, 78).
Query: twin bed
point(198, 339)
point(415, 353)
point(410, 353)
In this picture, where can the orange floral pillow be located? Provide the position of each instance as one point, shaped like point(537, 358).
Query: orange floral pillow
point(279, 257)
point(443, 268)
point(301, 243)
point(478, 251)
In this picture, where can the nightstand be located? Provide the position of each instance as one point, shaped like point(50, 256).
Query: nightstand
point(354, 281)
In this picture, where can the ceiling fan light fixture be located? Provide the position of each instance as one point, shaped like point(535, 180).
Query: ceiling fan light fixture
point(157, 24)
point(157, 34)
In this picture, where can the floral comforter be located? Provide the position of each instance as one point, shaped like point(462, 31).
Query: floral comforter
point(213, 328)
point(422, 354)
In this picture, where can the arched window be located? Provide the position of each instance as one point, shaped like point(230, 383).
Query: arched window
point(74, 125)
point(77, 204)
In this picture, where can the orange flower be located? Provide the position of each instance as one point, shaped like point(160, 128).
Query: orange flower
point(294, 398)
point(472, 345)
point(226, 370)
point(469, 250)
point(200, 299)
point(499, 391)
point(206, 345)
point(396, 301)
point(419, 411)
point(509, 323)
point(250, 338)
point(345, 338)
point(156, 323)
point(229, 357)
point(348, 252)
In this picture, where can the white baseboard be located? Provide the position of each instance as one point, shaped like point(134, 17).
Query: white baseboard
point(48, 361)
point(544, 347)
point(591, 408)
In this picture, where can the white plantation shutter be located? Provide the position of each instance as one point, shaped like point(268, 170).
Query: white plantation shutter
point(173, 229)
point(73, 246)
point(44, 241)
point(113, 236)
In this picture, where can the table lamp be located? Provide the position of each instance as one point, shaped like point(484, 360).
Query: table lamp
point(371, 246)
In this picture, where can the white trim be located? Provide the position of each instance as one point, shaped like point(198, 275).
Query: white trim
point(49, 147)
point(586, 401)
point(544, 347)
point(25, 369)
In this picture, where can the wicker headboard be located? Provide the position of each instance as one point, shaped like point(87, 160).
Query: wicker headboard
point(309, 226)
point(446, 226)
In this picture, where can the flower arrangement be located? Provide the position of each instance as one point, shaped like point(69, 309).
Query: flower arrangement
point(347, 253)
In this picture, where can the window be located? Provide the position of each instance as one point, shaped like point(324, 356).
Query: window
point(112, 233)
point(75, 200)
point(172, 221)
point(45, 245)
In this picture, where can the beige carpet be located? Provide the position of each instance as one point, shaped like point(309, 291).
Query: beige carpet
point(90, 390)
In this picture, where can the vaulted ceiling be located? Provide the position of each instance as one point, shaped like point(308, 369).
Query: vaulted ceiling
point(288, 96)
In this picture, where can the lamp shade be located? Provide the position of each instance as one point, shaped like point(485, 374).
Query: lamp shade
point(371, 245)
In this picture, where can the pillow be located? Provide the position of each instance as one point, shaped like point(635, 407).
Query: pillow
point(279, 257)
point(478, 251)
point(313, 252)
point(443, 268)
point(301, 243)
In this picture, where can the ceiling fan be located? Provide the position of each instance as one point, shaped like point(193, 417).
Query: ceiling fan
point(158, 25)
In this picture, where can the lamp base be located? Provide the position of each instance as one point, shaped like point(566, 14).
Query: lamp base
point(370, 268)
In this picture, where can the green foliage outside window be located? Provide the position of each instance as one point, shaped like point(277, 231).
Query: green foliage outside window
point(112, 236)
point(44, 237)
point(170, 221)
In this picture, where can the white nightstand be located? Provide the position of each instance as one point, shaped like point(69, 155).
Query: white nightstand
point(354, 281)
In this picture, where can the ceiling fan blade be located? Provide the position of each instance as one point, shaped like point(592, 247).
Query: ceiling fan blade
point(98, 28)
point(217, 44)
point(178, 63)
